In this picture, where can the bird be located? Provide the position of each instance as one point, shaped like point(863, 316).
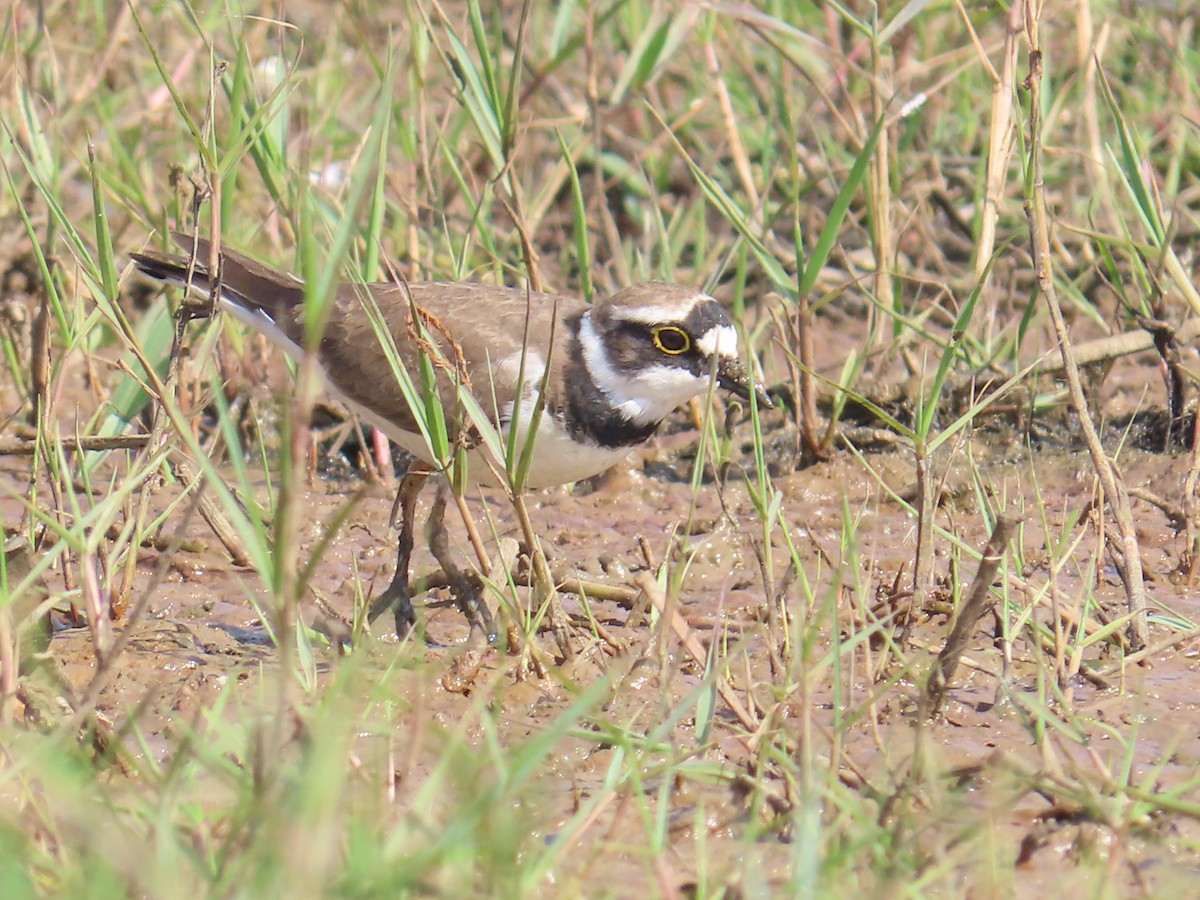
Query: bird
point(585, 383)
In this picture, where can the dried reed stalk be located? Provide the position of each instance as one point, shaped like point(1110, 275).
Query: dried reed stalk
point(1107, 472)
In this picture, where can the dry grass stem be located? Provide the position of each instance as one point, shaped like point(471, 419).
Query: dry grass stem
point(1106, 468)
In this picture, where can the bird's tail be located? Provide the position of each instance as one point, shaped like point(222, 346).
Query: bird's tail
point(249, 286)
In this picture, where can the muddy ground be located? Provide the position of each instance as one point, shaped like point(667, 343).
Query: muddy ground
point(201, 630)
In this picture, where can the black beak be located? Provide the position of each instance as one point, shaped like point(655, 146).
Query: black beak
point(732, 376)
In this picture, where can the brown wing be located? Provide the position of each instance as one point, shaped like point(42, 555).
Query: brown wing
point(471, 324)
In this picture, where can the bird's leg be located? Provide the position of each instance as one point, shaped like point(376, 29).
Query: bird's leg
point(397, 598)
point(465, 595)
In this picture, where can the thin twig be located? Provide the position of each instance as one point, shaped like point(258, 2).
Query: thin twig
point(1109, 475)
point(24, 447)
point(1000, 137)
point(211, 512)
point(695, 649)
point(979, 600)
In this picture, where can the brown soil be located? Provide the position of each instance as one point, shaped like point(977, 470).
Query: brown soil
point(201, 629)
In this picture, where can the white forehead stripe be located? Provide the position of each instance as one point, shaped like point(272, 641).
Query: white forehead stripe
point(720, 339)
point(660, 312)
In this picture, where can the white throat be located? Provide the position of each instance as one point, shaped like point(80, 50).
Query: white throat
point(644, 398)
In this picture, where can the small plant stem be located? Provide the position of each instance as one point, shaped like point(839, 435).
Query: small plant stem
point(926, 503)
point(481, 554)
point(1000, 140)
point(544, 589)
point(977, 603)
point(881, 187)
point(1087, 57)
point(812, 448)
point(737, 149)
point(1039, 227)
point(39, 357)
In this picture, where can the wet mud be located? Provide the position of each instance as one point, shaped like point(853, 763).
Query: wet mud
point(201, 632)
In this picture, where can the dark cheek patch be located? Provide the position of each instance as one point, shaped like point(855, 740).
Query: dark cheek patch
point(631, 348)
point(589, 415)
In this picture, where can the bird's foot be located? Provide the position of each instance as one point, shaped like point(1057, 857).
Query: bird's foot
point(467, 591)
point(395, 599)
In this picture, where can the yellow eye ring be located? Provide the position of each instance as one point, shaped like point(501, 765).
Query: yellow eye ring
point(671, 340)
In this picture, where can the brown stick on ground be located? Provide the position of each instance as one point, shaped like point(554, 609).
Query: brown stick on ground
point(17, 446)
point(211, 512)
point(695, 649)
point(973, 608)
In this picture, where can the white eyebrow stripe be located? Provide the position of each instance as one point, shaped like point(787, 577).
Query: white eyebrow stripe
point(720, 339)
point(659, 314)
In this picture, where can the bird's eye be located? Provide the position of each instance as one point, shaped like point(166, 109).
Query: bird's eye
point(672, 340)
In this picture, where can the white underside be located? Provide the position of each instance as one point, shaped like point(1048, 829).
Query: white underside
point(557, 459)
